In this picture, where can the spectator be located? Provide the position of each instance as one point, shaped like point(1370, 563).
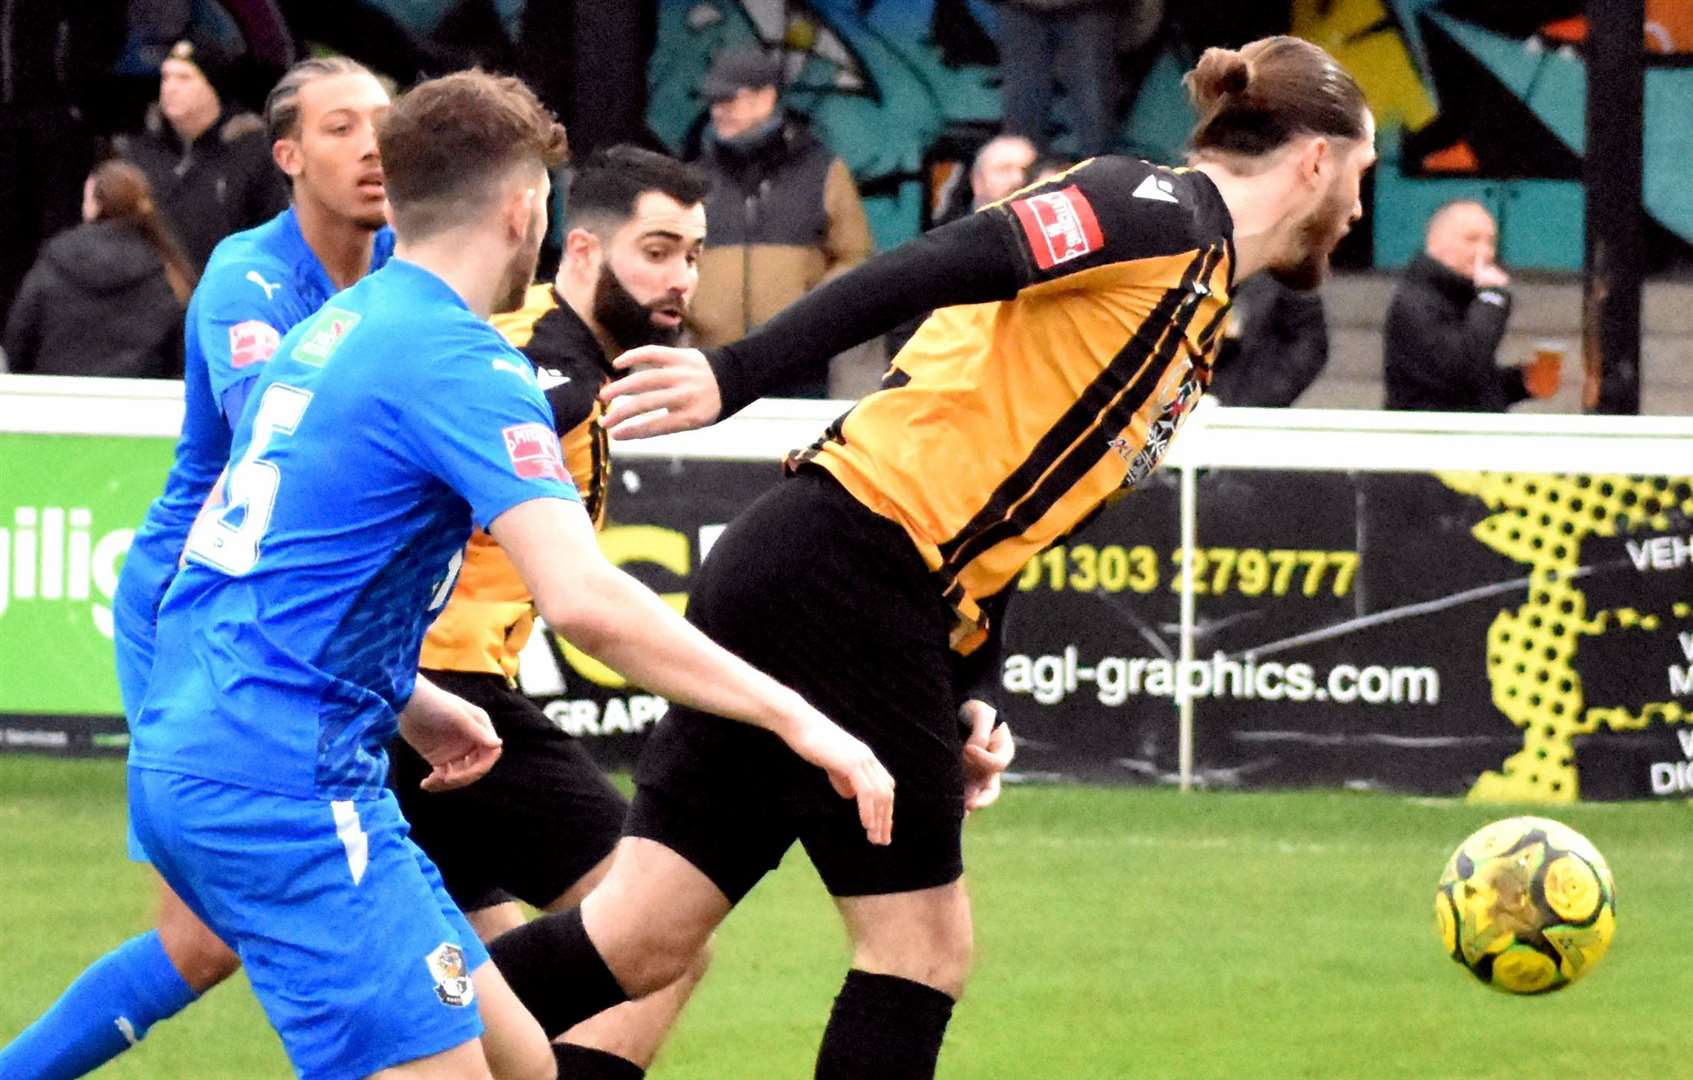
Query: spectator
point(1073, 42)
point(207, 159)
point(1274, 346)
point(1446, 320)
point(783, 213)
point(998, 169)
point(1002, 165)
point(104, 298)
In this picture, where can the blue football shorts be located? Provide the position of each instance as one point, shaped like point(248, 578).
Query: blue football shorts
point(355, 951)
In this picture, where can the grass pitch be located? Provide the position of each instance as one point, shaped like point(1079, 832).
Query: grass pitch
point(1121, 933)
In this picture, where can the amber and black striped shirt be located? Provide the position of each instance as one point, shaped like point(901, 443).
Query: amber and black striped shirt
point(490, 615)
point(1084, 314)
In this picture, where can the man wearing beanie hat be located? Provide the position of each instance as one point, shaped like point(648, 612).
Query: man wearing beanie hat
point(208, 160)
point(783, 212)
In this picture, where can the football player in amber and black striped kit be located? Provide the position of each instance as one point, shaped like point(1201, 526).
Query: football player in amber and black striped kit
point(1076, 324)
point(541, 826)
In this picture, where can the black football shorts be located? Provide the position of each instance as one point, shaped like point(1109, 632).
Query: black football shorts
point(834, 600)
point(542, 818)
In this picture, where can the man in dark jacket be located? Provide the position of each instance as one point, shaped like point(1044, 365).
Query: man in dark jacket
point(207, 160)
point(1275, 344)
point(1447, 318)
point(783, 212)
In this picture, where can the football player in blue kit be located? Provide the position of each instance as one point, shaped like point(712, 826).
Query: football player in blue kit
point(379, 432)
point(258, 284)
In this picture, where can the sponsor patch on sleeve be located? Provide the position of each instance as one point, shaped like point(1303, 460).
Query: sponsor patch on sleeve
point(252, 342)
point(535, 453)
point(1060, 226)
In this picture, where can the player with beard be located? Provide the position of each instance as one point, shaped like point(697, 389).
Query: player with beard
point(542, 824)
point(258, 284)
point(1075, 328)
point(379, 433)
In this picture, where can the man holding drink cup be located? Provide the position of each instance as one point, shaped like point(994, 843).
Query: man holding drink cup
point(1446, 320)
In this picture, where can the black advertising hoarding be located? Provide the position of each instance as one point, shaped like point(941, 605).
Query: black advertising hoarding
point(1519, 637)
point(662, 516)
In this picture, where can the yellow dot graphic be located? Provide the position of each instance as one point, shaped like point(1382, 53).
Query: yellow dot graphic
point(1541, 521)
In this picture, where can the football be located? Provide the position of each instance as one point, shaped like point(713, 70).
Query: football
point(1526, 905)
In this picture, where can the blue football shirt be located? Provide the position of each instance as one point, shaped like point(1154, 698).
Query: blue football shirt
point(258, 285)
point(381, 430)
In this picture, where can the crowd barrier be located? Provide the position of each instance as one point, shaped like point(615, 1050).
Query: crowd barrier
point(1496, 606)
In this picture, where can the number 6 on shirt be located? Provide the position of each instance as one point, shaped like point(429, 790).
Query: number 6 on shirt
point(229, 539)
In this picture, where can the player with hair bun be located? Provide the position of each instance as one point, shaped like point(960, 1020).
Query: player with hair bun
point(1075, 326)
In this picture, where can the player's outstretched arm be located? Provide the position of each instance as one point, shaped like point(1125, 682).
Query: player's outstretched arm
point(969, 261)
point(450, 733)
point(615, 618)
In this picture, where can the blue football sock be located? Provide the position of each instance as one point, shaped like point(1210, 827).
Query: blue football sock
point(106, 1011)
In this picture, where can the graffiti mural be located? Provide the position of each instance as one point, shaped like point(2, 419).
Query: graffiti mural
point(1480, 99)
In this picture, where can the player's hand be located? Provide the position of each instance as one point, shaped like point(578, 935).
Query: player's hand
point(987, 754)
point(1487, 274)
point(455, 737)
point(854, 772)
point(666, 390)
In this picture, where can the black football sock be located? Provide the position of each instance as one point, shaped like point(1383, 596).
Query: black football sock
point(883, 1027)
point(556, 972)
point(586, 1063)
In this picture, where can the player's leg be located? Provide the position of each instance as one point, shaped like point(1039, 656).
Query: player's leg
point(911, 954)
point(541, 826)
point(623, 1041)
point(512, 1046)
point(682, 865)
point(512, 1041)
point(908, 917)
point(876, 660)
point(198, 957)
point(634, 935)
point(108, 1009)
point(197, 954)
point(631, 1032)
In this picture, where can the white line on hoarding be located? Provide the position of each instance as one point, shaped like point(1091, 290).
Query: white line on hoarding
point(1427, 607)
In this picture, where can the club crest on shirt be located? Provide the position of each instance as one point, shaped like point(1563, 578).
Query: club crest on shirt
point(1060, 226)
point(1173, 408)
point(535, 452)
point(252, 342)
point(452, 982)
